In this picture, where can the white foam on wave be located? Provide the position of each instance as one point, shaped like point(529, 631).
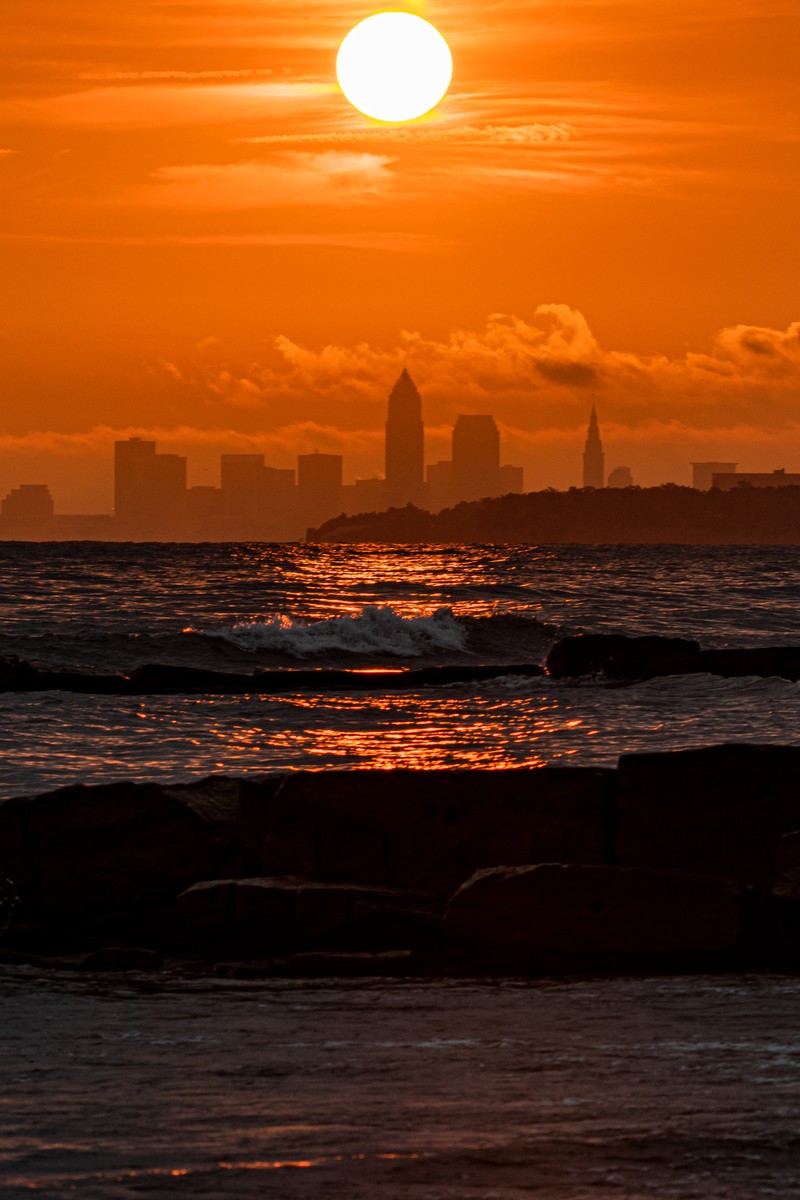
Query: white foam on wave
point(377, 629)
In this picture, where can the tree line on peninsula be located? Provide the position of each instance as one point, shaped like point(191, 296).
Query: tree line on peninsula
point(745, 515)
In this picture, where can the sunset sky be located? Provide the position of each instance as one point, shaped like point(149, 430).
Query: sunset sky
point(203, 242)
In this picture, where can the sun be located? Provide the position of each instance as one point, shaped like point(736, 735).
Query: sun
point(394, 66)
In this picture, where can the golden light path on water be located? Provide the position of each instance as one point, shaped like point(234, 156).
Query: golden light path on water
point(508, 723)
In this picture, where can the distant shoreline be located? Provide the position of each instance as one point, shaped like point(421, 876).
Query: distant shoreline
point(667, 515)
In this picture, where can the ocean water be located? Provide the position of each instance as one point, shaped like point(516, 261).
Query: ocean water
point(109, 608)
point(627, 1089)
point(171, 1085)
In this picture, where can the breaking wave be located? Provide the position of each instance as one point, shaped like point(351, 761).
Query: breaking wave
point(376, 630)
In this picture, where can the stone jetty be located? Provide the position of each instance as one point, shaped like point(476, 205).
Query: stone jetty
point(688, 860)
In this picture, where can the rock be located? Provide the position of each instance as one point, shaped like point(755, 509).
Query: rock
point(554, 917)
point(17, 675)
point(84, 852)
point(321, 965)
point(77, 681)
point(426, 830)
point(273, 915)
point(121, 958)
point(786, 880)
point(619, 657)
point(764, 661)
point(720, 810)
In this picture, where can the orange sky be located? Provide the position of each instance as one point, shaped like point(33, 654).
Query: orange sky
point(203, 241)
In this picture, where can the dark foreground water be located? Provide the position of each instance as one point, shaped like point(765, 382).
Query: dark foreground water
point(469, 1090)
point(239, 607)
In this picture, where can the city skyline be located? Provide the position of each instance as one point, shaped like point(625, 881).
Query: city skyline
point(255, 499)
point(212, 249)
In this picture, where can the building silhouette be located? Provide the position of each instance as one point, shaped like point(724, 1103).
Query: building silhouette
point(476, 456)
point(404, 443)
point(593, 457)
point(29, 505)
point(260, 502)
point(148, 487)
point(725, 480)
point(703, 472)
point(319, 486)
point(620, 477)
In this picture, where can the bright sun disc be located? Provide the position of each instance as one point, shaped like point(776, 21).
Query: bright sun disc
point(394, 66)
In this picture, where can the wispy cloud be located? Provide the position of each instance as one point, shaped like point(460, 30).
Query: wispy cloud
point(393, 242)
point(177, 76)
point(498, 135)
point(296, 178)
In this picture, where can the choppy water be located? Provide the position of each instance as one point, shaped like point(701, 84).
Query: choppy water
point(637, 1089)
point(615, 1089)
point(112, 607)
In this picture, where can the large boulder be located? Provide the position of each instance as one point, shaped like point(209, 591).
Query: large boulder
point(84, 852)
point(258, 916)
point(719, 810)
point(553, 917)
point(620, 657)
point(426, 830)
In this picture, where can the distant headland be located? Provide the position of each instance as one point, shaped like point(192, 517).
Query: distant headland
point(587, 516)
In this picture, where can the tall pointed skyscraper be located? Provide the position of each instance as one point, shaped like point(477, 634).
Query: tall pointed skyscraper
point(404, 443)
point(594, 460)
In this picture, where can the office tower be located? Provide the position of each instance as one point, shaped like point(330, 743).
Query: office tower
point(147, 486)
point(404, 443)
point(620, 477)
point(319, 486)
point(476, 457)
point(702, 473)
point(241, 482)
point(593, 457)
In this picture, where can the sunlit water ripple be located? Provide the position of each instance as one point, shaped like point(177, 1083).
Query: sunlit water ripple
point(239, 607)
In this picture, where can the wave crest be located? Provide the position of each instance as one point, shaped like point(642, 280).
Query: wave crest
point(377, 629)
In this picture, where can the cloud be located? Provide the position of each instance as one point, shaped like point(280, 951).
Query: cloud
point(536, 373)
point(158, 105)
point(394, 242)
point(498, 135)
point(328, 178)
point(176, 76)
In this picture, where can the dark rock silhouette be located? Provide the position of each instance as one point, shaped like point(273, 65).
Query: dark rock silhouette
point(553, 916)
point(96, 851)
point(274, 915)
point(720, 810)
point(786, 880)
point(619, 657)
point(567, 868)
point(425, 830)
point(162, 679)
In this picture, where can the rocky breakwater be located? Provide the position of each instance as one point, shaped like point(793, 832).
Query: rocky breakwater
point(687, 860)
point(619, 657)
point(160, 679)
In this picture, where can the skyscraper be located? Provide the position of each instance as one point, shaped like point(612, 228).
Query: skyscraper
point(476, 457)
point(147, 486)
point(319, 486)
point(593, 457)
point(404, 443)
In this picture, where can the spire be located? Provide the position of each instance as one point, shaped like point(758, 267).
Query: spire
point(593, 456)
point(404, 442)
point(404, 398)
